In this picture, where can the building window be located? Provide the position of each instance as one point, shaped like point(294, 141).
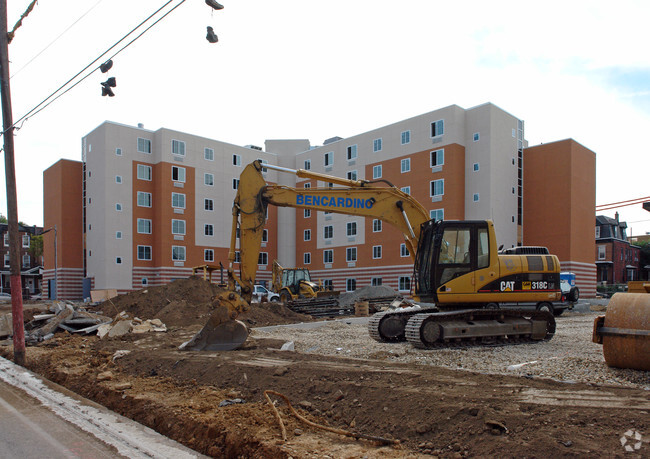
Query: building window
point(376, 251)
point(307, 185)
point(437, 158)
point(178, 253)
point(405, 165)
point(352, 152)
point(376, 145)
point(144, 145)
point(406, 137)
point(235, 184)
point(263, 258)
point(601, 252)
point(597, 232)
point(307, 235)
point(308, 164)
point(118, 234)
point(437, 214)
point(144, 172)
point(437, 187)
point(144, 252)
point(376, 226)
point(118, 179)
point(178, 147)
point(144, 226)
point(476, 197)
point(118, 207)
point(328, 232)
point(403, 251)
point(178, 226)
point(376, 171)
point(329, 158)
point(306, 258)
point(237, 257)
point(406, 189)
point(144, 199)
point(328, 284)
point(404, 284)
point(208, 153)
point(350, 285)
point(477, 136)
point(178, 200)
point(208, 255)
point(6, 238)
point(375, 281)
point(7, 261)
point(437, 128)
point(178, 174)
point(477, 167)
point(118, 151)
point(328, 256)
point(307, 213)
point(26, 261)
point(25, 240)
point(208, 179)
point(118, 260)
point(352, 175)
point(351, 229)
point(208, 229)
point(351, 254)
point(236, 160)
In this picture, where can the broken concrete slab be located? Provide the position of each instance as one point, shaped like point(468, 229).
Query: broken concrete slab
point(6, 325)
point(120, 328)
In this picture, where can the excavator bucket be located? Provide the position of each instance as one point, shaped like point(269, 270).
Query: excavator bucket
point(222, 332)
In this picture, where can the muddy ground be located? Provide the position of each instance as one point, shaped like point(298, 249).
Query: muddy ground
point(430, 410)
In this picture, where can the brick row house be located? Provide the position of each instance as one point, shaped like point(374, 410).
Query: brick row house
point(30, 266)
point(617, 261)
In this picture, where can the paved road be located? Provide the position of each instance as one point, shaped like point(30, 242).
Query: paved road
point(41, 419)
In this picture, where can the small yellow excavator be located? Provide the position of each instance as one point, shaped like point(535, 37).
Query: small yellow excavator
point(294, 283)
point(460, 277)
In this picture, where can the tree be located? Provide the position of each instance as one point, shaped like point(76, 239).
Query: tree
point(3, 219)
point(36, 247)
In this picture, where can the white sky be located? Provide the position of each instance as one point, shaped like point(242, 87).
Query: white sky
point(304, 69)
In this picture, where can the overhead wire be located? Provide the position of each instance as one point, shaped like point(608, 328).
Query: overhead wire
point(40, 106)
point(55, 40)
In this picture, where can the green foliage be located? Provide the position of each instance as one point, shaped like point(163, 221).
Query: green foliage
point(36, 247)
point(3, 219)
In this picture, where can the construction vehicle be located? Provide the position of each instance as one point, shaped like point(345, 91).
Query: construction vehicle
point(294, 283)
point(457, 268)
point(624, 330)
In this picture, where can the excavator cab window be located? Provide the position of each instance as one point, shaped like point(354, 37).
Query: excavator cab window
point(454, 257)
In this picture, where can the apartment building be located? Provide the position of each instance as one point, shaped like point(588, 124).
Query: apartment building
point(30, 265)
point(617, 260)
point(156, 203)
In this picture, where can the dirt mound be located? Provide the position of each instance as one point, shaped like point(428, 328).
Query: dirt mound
point(187, 302)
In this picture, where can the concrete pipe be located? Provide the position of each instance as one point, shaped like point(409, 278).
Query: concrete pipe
point(624, 331)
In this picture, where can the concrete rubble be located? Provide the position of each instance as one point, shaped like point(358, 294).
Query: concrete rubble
point(76, 319)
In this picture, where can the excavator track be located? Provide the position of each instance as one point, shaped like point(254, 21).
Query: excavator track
point(389, 326)
point(478, 327)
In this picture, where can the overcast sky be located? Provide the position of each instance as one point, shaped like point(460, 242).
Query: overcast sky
point(305, 69)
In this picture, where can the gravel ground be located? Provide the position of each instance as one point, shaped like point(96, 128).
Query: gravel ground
point(570, 356)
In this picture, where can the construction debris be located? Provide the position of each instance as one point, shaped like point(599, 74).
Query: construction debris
point(6, 325)
point(63, 316)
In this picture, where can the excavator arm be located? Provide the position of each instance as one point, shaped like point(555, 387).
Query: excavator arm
point(379, 200)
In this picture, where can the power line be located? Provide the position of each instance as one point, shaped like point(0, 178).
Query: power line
point(629, 202)
point(40, 106)
point(55, 40)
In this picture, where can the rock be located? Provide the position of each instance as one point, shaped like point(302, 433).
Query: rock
point(281, 371)
point(123, 386)
point(297, 432)
point(121, 328)
point(119, 354)
point(105, 376)
point(339, 395)
point(144, 327)
point(103, 330)
point(288, 346)
point(233, 401)
point(6, 325)
point(306, 405)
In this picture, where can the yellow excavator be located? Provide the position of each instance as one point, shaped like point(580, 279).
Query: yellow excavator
point(460, 277)
point(295, 283)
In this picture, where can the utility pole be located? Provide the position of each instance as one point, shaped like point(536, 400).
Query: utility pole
point(12, 199)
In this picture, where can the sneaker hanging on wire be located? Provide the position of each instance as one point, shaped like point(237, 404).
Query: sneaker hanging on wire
point(211, 36)
point(213, 4)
